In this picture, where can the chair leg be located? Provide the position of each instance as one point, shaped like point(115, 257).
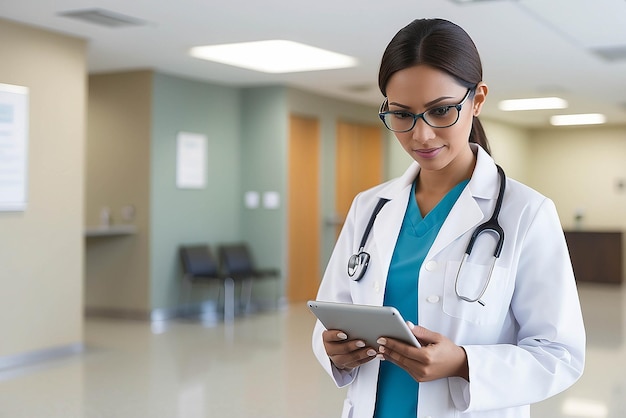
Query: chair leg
point(184, 296)
point(229, 299)
point(246, 294)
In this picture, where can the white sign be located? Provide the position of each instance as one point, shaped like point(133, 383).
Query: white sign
point(191, 161)
point(13, 147)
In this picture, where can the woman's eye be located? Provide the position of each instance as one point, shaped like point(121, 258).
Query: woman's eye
point(402, 115)
point(439, 112)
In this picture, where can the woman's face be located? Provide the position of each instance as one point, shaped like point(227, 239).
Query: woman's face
point(421, 88)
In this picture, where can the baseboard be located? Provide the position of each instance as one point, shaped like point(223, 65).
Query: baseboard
point(209, 308)
point(39, 356)
point(117, 313)
point(160, 314)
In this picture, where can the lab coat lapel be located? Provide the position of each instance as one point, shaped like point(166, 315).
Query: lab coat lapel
point(389, 221)
point(467, 213)
point(387, 228)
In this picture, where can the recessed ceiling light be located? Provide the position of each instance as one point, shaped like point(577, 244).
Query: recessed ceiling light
point(582, 119)
point(539, 103)
point(275, 56)
point(584, 408)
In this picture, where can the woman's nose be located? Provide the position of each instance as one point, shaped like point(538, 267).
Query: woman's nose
point(422, 132)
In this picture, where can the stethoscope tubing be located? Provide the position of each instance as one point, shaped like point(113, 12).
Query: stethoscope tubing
point(358, 262)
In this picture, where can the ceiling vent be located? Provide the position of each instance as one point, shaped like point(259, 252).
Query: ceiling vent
point(103, 18)
point(612, 53)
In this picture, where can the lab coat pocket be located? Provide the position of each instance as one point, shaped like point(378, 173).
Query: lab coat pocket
point(472, 279)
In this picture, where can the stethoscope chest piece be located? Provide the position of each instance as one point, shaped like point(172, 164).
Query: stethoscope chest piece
point(357, 265)
point(358, 262)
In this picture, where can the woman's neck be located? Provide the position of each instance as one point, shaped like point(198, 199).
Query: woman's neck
point(433, 185)
point(440, 182)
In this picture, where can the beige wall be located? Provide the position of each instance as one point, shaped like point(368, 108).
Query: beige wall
point(117, 276)
point(510, 148)
point(41, 248)
point(579, 168)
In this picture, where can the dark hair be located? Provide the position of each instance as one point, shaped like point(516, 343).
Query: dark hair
point(440, 44)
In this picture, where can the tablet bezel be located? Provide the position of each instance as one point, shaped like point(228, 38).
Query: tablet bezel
point(363, 322)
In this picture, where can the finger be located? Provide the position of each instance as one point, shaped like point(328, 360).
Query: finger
point(336, 343)
point(354, 358)
point(396, 346)
point(407, 363)
point(334, 335)
point(424, 335)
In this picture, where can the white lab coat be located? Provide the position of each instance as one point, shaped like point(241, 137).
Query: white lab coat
point(526, 344)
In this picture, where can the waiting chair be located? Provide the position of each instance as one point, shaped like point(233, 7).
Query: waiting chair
point(199, 264)
point(237, 263)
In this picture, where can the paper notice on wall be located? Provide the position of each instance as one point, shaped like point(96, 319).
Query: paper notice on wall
point(13, 147)
point(191, 160)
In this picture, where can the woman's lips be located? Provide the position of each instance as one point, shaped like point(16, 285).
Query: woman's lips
point(428, 153)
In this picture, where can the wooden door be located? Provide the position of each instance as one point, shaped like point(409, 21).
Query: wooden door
point(304, 215)
point(359, 164)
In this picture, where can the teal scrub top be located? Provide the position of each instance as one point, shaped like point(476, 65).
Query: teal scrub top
point(397, 390)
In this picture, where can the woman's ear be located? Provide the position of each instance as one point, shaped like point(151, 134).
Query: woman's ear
point(480, 95)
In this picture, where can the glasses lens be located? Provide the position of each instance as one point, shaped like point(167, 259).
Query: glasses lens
point(442, 117)
point(398, 121)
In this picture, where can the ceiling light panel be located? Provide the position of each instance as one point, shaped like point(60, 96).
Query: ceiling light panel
point(582, 119)
point(539, 103)
point(274, 56)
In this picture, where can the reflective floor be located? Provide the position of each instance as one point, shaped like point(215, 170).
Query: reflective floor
point(261, 366)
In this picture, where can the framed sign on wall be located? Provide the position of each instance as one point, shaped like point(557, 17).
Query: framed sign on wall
point(191, 160)
point(13, 147)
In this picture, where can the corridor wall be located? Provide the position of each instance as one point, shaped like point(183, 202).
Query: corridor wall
point(41, 248)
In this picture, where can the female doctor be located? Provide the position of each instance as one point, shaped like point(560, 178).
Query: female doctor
point(499, 318)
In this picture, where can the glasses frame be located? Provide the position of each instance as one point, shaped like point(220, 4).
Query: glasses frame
point(458, 107)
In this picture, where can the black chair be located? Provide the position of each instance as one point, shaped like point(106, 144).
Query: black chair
point(237, 263)
point(199, 265)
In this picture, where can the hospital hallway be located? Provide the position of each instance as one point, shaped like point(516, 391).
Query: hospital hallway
point(260, 366)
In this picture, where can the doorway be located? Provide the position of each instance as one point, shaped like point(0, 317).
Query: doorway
point(359, 164)
point(303, 276)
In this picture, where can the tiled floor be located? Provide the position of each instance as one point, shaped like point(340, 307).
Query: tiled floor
point(261, 366)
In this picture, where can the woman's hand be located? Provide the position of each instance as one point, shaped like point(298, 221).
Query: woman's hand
point(437, 358)
point(344, 353)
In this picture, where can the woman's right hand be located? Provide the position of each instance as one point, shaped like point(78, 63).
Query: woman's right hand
point(346, 354)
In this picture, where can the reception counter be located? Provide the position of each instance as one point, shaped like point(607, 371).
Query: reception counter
point(596, 255)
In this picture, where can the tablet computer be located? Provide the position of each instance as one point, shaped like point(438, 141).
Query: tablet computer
point(363, 322)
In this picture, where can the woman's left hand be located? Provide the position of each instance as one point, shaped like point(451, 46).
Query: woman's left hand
point(437, 358)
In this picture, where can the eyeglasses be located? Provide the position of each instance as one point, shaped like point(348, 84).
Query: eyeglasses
point(438, 117)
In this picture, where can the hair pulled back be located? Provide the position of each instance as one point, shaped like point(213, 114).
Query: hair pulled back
point(440, 44)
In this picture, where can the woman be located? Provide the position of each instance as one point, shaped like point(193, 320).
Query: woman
point(494, 339)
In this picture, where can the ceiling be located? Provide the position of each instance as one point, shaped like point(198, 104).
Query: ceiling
point(529, 48)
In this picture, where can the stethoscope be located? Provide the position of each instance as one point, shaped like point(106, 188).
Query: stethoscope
point(358, 262)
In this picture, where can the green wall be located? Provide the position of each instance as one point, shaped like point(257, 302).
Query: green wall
point(187, 216)
point(263, 166)
point(247, 132)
